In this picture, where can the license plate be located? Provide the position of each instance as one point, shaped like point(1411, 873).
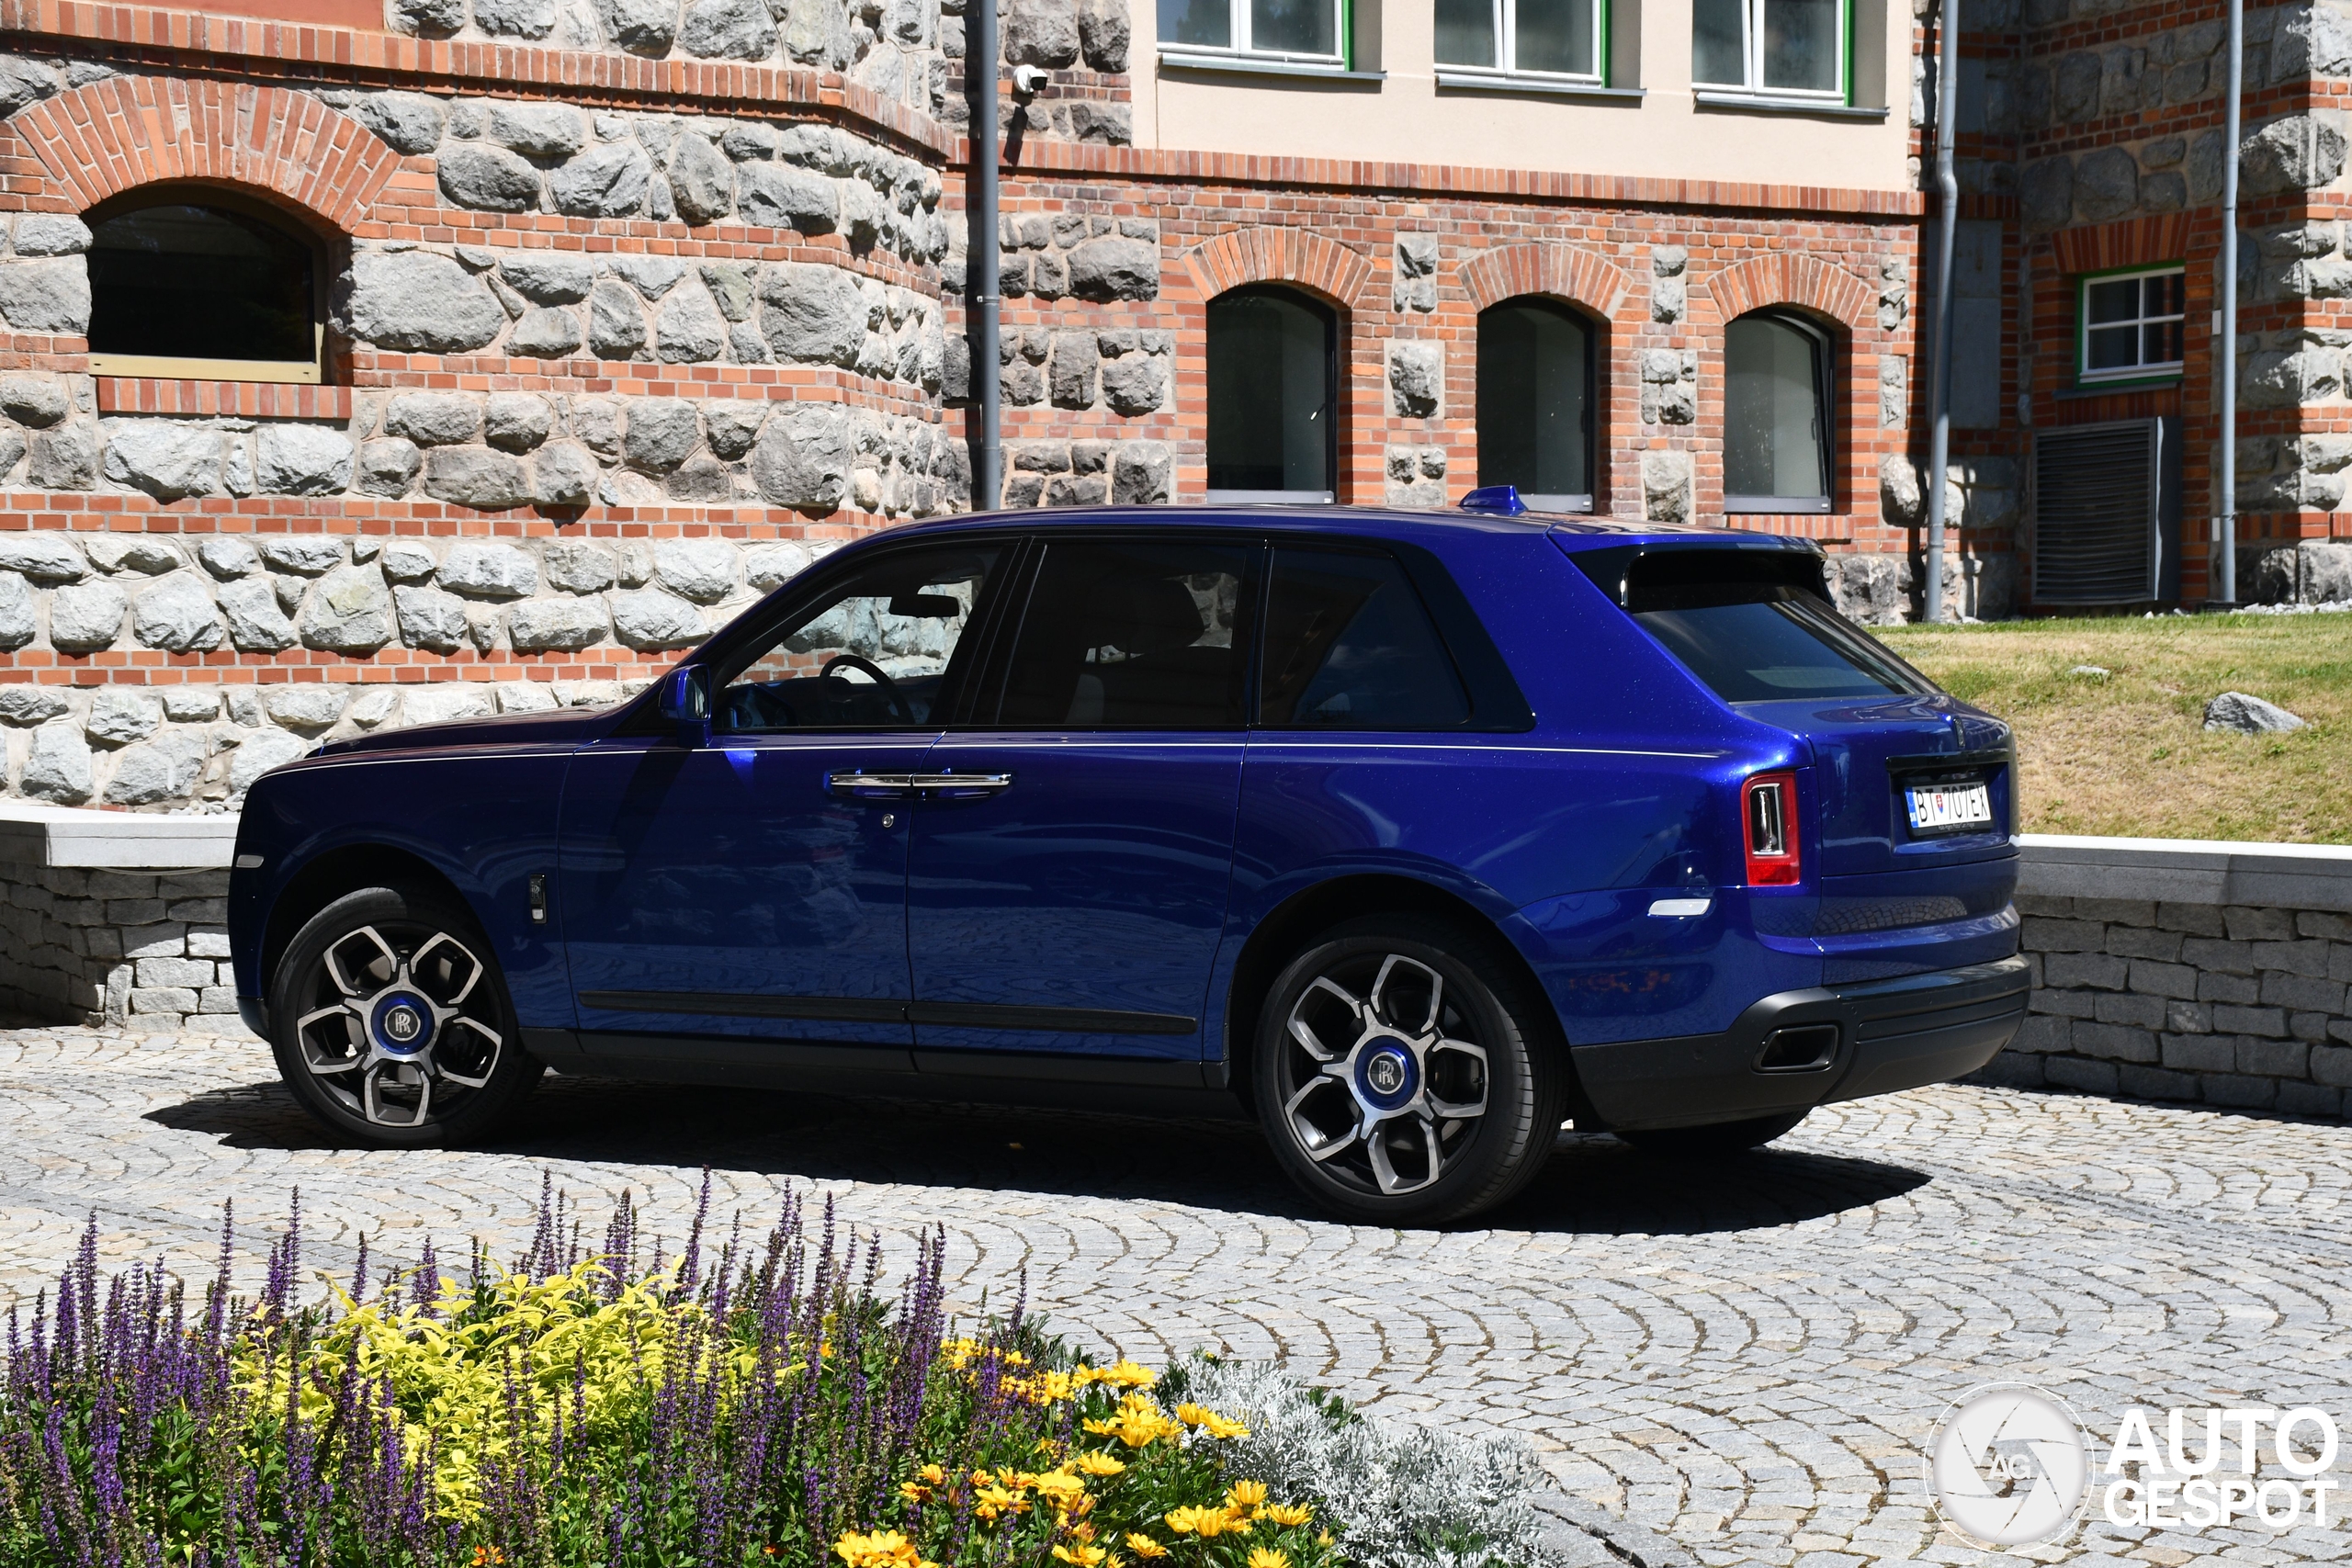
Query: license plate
point(1947, 808)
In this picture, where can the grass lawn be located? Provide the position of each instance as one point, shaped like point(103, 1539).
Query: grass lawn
point(2128, 753)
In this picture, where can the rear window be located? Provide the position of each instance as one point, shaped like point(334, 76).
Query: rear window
point(1754, 628)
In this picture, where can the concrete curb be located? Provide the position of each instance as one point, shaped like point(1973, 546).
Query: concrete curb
point(2186, 871)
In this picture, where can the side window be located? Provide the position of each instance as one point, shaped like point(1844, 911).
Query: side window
point(874, 654)
point(1132, 636)
point(1350, 646)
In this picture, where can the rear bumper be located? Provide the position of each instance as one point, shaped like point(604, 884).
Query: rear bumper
point(1890, 1034)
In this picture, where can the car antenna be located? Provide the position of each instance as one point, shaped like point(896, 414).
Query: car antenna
point(1502, 500)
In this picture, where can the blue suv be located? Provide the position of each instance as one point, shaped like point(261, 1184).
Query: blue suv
point(1411, 833)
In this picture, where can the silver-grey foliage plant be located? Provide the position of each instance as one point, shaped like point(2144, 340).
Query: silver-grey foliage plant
point(1401, 1495)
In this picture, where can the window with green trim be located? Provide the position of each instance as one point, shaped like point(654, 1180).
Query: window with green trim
point(1307, 31)
point(1564, 39)
point(2131, 325)
point(1792, 48)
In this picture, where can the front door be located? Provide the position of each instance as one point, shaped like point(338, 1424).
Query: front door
point(1071, 855)
point(754, 889)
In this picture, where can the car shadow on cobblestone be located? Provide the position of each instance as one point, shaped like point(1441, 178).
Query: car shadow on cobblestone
point(1593, 1185)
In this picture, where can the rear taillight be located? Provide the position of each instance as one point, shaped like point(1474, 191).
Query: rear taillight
point(1769, 806)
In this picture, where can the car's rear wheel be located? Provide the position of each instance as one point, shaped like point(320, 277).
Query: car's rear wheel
point(1402, 1075)
point(1717, 1139)
point(391, 1021)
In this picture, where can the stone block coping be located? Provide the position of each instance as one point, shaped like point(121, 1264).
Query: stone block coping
point(37, 835)
point(2186, 871)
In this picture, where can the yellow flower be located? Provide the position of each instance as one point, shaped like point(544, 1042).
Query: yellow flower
point(1137, 1423)
point(932, 1474)
point(1217, 1426)
point(1098, 1464)
point(994, 1500)
point(1266, 1557)
point(486, 1555)
point(1087, 1556)
point(1145, 1546)
point(1207, 1523)
point(1126, 1375)
point(1060, 1488)
point(914, 1491)
point(1245, 1493)
point(1287, 1514)
point(1325, 1538)
point(1050, 1388)
point(883, 1548)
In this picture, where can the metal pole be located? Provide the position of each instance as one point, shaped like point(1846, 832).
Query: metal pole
point(980, 58)
point(1946, 241)
point(2226, 591)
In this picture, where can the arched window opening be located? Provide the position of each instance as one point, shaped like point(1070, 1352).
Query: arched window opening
point(1535, 399)
point(199, 285)
point(1273, 397)
point(1777, 377)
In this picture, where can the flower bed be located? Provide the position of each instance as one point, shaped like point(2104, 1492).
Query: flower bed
point(748, 1403)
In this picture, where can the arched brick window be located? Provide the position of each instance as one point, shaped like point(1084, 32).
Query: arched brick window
point(1779, 373)
point(1273, 396)
point(189, 281)
point(1536, 360)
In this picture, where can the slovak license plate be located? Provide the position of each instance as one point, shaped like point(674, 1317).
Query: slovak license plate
point(1949, 808)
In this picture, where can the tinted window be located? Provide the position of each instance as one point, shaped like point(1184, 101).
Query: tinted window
point(1349, 646)
point(1131, 637)
point(1271, 387)
point(1741, 628)
point(199, 283)
point(1776, 411)
point(874, 654)
point(1534, 404)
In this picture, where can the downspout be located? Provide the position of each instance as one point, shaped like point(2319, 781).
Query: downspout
point(1947, 242)
point(2227, 525)
point(983, 264)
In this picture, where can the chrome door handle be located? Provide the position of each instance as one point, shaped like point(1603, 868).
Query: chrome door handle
point(963, 786)
point(859, 784)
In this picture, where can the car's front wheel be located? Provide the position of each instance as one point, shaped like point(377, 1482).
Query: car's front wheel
point(391, 1021)
point(1401, 1072)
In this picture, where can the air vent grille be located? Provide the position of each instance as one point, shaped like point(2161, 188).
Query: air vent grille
point(2096, 489)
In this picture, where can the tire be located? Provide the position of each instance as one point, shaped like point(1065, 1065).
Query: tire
point(361, 971)
point(1410, 1019)
point(1718, 1139)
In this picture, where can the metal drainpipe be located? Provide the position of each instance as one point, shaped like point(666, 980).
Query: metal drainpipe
point(980, 53)
point(1946, 241)
point(2226, 591)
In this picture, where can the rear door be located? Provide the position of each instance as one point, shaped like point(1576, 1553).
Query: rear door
point(1074, 846)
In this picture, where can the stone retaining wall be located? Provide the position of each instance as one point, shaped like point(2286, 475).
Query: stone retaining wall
point(116, 917)
point(2212, 973)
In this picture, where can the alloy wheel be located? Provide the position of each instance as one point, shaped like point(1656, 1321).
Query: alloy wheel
point(401, 1024)
point(1383, 1081)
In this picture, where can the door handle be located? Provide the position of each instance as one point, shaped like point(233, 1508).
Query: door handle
point(962, 787)
point(859, 784)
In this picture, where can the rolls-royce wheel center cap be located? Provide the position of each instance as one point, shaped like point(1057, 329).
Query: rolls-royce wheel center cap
point(403, 1024)
point(1385, 1076)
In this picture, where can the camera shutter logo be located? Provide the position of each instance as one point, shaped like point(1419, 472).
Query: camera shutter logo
point(2009, 1466)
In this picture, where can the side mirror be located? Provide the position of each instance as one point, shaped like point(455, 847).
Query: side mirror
point(686, 703)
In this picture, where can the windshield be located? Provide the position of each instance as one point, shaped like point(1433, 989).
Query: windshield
point(1748, 627)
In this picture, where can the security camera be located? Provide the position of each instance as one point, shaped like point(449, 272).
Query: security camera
point(1027, 80)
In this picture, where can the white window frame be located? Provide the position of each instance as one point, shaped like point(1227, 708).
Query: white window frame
point(1242, 50)
point(2157, 370)
point(1507, 68)
point(1751, 38)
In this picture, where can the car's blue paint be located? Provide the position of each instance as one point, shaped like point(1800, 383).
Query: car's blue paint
point(1098, 881)
point(1129, 872)
point(718, 869)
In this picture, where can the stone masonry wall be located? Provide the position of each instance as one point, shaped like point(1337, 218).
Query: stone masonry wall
point(2224, 1006)
point(124, 947)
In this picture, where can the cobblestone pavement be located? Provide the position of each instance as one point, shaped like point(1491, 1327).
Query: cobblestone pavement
point(1745, 1360)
